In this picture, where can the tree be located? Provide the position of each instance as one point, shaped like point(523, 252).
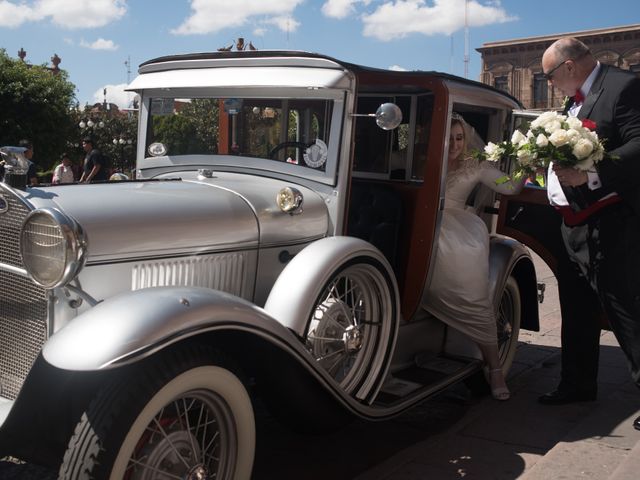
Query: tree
point(34, 105)
point(113, 132)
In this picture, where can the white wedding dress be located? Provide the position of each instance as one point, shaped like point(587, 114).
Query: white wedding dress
point(459, 290)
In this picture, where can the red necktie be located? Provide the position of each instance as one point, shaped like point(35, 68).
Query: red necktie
point(578, 98)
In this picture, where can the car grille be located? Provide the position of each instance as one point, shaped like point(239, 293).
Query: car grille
point(10, 225)
point(23, 306)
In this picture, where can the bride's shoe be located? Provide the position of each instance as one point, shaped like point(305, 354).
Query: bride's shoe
point(498, 392)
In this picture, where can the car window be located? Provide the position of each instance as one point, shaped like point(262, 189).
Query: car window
point(390, 154)
point(295, 131)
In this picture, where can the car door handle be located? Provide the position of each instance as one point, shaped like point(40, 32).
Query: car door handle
point(515, 215)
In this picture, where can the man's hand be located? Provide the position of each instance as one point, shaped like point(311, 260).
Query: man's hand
point(570, 177)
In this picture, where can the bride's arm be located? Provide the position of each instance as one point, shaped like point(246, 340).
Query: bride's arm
point(499, 181)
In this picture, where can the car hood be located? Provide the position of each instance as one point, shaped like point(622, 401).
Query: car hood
point(155, 218)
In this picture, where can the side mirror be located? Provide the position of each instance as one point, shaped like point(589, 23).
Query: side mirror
point(388, 116)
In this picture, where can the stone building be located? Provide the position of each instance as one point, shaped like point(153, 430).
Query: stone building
point(515, 65)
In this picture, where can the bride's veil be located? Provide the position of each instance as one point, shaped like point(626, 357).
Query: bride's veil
point(481, 195)
point(473, 141)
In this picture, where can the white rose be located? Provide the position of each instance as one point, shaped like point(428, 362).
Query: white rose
point(542, 141)
point(545, 118)
point(574, 136)
point(553, 126)
point(598, 153)
point(593, 136)
point(493, 151)
point(559, 138)
point(574, 122)
point(518, 137)
point(525, 157)
point(582, 149)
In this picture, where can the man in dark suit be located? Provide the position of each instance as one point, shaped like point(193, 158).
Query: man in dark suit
point(601, 211)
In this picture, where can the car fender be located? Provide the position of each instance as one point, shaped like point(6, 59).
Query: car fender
point(291, 295)
point(136, 324)
point(508, 257)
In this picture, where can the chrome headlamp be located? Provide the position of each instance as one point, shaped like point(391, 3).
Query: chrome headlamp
point(53, 247)
point(290, 200)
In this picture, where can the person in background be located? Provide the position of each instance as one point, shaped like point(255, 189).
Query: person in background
point(32, 176)
point(602, 245)
point(94, 169)
point(63, 173)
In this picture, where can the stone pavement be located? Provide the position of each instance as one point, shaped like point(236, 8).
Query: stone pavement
point(520, 439)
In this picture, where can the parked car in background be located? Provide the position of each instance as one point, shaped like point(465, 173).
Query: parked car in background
point(276, 243)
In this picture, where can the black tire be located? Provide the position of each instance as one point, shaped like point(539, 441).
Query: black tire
point(183, 412)
point(509, 316)
point(351, 326)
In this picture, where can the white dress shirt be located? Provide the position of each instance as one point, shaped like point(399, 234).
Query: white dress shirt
point(554, 189)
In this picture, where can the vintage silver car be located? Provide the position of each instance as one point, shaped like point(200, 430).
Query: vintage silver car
point(279, 247)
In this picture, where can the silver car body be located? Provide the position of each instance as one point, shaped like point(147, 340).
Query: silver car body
point(198, 246)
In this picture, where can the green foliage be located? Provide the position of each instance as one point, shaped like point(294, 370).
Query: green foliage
point(35, 104)
point(114, 134)
point(193, 130)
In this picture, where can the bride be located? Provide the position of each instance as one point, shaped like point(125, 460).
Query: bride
point(459, 292)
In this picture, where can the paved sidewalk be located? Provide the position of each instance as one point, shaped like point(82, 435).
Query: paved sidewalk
point(521, 439)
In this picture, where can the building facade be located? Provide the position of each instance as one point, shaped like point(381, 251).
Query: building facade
point(515, 65)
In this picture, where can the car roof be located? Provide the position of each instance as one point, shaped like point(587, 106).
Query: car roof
point(293, 58)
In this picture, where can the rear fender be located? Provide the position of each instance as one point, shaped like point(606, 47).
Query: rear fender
point(508, 257)
point(136, 324)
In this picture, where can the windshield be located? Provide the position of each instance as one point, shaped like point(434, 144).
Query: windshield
point(295, 131)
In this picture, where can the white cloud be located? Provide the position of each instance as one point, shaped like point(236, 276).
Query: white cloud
point(64, 13)
point(397, 68)
point(100, 44)
point(209, 16)
point(259, 31)
point(284, 23)
point(399, 18)
point(341, 8)
point(13, 15)
point(115, 94)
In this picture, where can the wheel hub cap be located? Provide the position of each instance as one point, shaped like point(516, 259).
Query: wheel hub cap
point(175, 455)
point(352, 339)
point(198, 473)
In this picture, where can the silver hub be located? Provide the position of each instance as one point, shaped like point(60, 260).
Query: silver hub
point(352, 339)
point(175, 455)
point(198, 473)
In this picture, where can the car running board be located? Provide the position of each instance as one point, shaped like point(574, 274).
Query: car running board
point(425, 378)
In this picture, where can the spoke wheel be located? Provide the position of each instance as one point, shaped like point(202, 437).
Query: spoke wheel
point(350, 324)
point(197, 425)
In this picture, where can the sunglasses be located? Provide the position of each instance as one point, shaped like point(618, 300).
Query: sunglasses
point(549, 74)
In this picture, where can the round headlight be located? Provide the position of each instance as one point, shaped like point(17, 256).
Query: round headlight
point(289, 200)
point(52, 247)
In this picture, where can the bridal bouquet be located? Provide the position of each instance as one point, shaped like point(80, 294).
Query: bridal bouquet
point(567, 141)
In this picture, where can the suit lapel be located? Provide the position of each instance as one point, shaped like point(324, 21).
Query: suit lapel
point(593, 95)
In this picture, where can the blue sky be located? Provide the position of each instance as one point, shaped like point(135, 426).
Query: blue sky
point(95, 38)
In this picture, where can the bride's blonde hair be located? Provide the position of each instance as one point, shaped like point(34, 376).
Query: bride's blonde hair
point(456, 119)
point(466, 161)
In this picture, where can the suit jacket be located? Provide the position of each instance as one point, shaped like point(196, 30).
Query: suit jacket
point(613, 103)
